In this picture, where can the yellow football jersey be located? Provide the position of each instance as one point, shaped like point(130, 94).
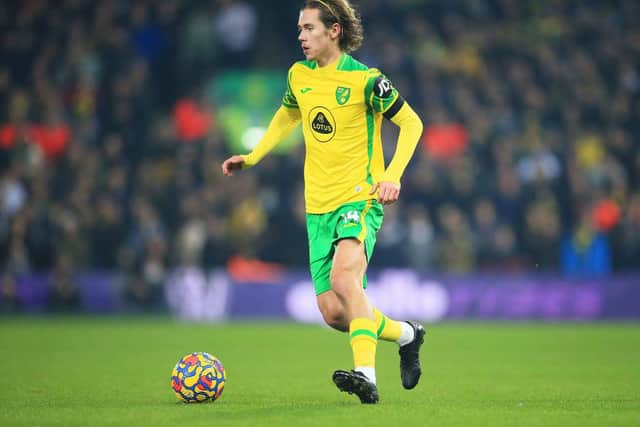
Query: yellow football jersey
point(341, 108)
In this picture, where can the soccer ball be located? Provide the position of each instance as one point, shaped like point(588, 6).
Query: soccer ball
point(198, 377)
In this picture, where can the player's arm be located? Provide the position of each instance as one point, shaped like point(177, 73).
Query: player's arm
point(384, 98)
point(283, 122)
point(410, 126)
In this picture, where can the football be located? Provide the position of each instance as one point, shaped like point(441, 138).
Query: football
point(198, 377)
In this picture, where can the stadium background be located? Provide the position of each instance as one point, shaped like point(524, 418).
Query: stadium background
point(116, 116)
point(516, 239)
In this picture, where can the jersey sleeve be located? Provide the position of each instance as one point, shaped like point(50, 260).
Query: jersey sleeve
point(289, 99)
point(410, 133)
point(381, 95)
point(282, 123)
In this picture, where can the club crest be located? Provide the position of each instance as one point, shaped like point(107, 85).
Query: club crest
point(342, 94)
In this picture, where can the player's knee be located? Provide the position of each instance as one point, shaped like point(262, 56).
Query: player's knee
point(333, 314)
point(336, 322)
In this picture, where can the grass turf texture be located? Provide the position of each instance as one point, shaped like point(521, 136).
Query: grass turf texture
point(116, 372)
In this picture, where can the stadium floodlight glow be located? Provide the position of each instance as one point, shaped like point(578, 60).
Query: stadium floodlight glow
point(252, 136)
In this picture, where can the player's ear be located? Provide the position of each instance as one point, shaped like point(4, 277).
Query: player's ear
point(336, 30)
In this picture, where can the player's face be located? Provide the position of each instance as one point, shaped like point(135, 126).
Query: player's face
point(315, 39)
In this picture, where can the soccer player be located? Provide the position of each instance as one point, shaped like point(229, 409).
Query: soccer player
point(341, 103)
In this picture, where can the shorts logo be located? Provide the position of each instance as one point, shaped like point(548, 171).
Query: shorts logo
point(343, 94)
point(322, 124)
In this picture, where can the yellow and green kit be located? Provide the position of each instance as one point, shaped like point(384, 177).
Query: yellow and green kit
point(355, 220)
point(341, 106)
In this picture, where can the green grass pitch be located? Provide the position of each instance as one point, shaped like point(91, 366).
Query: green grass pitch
point(116, 372)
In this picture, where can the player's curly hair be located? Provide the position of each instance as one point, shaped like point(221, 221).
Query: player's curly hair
point(343, 13)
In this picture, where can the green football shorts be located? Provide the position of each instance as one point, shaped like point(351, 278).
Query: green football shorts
point(357, 220)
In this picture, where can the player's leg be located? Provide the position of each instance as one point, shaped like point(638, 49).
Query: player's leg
point(321, 250)
point(338, 263)
point(347, 272)
point(410, 337)
point(410, 368)
point(334, 314)
point(325, 231)
point(332, 311)
point(392, 330)
point(349, 264)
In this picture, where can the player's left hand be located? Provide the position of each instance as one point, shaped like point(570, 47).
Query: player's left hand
point(388, 192)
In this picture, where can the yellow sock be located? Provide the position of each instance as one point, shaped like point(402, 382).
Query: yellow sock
point(387, 329)
point(364, 340)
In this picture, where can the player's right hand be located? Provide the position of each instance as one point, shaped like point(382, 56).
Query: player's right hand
point(233, 163)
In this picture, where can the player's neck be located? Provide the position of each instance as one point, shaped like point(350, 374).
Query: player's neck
point(331, 56)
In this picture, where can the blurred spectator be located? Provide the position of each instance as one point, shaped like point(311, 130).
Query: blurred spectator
point(145, 287)
point(420, 246)
point(235, 25)
point(542, 234)
point(197, 41)
point(586, 252)
point(626, 237)
point(505, 255)
point(147, 37)
point(13, 196)
point(486, 227)
point(216, 249)
point(192, 122)
point(456, 242)
point(106, 233)
point(247, 223)
point(64, 288)
point(52, 138)
point(192, 235)
point(392, 238)
point(525, 127)
point(9, 302)
point(445, 140)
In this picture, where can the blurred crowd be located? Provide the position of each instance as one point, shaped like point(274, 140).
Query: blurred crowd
point(110, 150)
